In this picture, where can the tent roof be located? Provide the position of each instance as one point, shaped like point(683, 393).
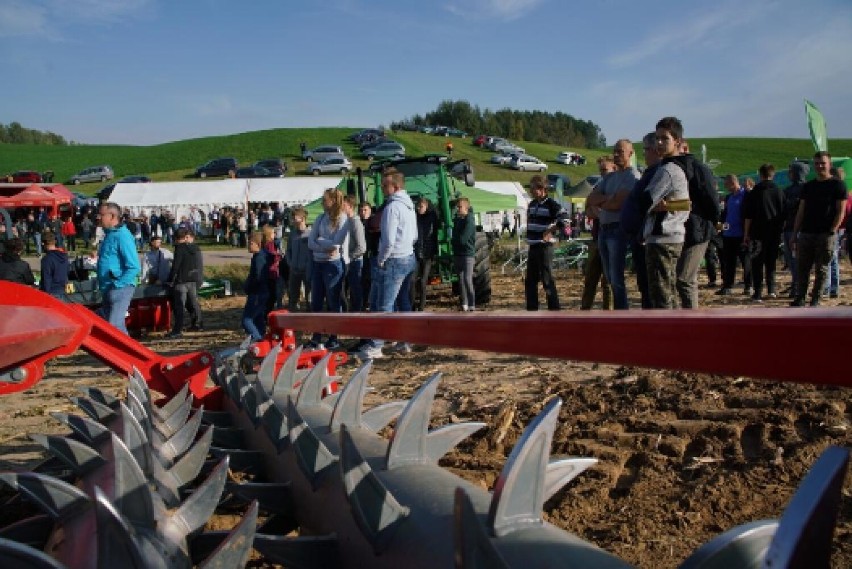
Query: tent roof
point(33, 195)
point(581, 190)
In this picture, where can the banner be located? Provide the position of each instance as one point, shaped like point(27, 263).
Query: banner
point(816, 124)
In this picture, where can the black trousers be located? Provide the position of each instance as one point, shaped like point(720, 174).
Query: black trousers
point(733, 255)
point(764, 263)
point(539, 269)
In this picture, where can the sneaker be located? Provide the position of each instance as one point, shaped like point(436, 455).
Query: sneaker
point(833, 295)
point(400, 348)
point(332, 345)
point(772, 295)
point(756, 298)
point(369, 353)
point(198, 328)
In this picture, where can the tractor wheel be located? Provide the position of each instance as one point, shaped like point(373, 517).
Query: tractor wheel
point(482, 271)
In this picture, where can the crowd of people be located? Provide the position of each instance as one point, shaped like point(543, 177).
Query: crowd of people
point(354, 257)
point(671, 219)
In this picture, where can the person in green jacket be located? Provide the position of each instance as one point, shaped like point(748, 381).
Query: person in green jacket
point(464, 252)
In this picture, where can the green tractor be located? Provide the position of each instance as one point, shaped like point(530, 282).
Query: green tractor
point(442, 181)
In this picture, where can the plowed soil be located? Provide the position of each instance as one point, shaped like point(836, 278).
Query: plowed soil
point(682, 457)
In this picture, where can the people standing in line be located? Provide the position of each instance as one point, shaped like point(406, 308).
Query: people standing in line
point(763, 222)
point(54, 268)
point(12, 267)
point(298, 258)
point(156, 262)
point(821, 208)
point(395, 260)
point(425, 249)
point(593, 268)
point(183, 281)
point(732, 238)
point(256, 288)
point(665, 221)
point(118, 266)
point(832, 281)
point(609, 195)
point(633, 217)
point(797, 172)
point(357, 249)
point(545, 216)
point(463, 241)
point(329, 245)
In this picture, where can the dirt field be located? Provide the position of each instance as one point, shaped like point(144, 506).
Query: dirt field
point(683, 457)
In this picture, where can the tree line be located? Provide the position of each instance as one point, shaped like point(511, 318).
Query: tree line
point(14, 133)
point(537, 126)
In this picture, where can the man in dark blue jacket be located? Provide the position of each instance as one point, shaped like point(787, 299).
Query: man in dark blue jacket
point(54, 268)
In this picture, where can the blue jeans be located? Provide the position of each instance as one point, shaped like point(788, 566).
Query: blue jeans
point(326, 284)
point(114, 306)
point(392, 284)
point(254, 315)
point(353, 279)
point(612, 244)
point(832, 282)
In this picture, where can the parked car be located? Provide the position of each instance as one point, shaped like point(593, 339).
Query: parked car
point(508, 146)
point(495, 141)
point(322, 152)
point(93, 174)
point(26, 177)
point(456, 132)
point(386, 150)
point(135, 179)
point(570, 158)
point(526, 162)
point(217, 167)
point(504, 157)
point(256, 172)
point(479, 140)
point(332, 164)
point(273, 164)
point(81, 201)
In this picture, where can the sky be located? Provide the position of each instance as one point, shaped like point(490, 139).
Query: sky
point(151, 71)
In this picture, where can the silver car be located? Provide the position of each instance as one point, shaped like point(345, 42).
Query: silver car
point(386, 150)
point(333, 164)
point(94, 174)
point(322, 152)
point(526, 162)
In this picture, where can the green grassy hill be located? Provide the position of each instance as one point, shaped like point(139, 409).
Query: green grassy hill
point(178, 160)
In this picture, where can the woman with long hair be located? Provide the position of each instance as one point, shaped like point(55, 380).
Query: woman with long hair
point(329, 245)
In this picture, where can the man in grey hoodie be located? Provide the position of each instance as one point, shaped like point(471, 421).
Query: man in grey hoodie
point(395, 262)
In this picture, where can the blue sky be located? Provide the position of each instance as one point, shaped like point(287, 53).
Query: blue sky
point(152, 71)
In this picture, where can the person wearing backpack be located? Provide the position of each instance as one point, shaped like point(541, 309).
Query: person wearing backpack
point(666, 203)
point(763, 221)
point(700, 224)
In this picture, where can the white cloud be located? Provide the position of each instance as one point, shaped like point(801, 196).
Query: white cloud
point(20, 18)
point(506, 10)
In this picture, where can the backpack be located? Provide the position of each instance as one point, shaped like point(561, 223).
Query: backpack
point(704, 210)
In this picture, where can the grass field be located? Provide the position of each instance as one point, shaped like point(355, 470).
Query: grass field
point(178, 160)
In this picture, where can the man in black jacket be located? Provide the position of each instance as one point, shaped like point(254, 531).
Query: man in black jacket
point(797, 173)
point(183, 280)
point(763, 215)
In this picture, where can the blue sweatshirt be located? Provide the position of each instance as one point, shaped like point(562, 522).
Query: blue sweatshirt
point(118, 261)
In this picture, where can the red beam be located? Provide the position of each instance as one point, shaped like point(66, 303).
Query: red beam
point(807, 345)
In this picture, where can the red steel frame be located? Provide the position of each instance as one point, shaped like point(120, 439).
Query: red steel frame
point(806, 345)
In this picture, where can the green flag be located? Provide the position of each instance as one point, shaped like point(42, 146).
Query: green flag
point(816, 124)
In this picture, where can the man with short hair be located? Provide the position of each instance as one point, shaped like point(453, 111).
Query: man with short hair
point(732, 238)
point(763, 220)
point(395, 261)
point(817, 222)
point(544, 217)
point(665, 221)
point(183, 280)
point(118, 266)
point(609, 196)
point(156, 263)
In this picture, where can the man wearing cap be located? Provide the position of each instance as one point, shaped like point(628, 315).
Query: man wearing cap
point(157, 262)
